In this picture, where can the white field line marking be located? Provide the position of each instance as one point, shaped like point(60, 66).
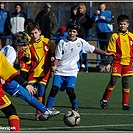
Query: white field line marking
point(87, 114)
point(76, 127)
point(83, 127)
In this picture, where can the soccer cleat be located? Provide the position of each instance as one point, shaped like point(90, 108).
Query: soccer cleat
point(126, 107)
point(103, 104)
point(39, 117)
point(54, 111)
point(50, 112)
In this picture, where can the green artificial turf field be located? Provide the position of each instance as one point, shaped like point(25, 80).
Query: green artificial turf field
point(89, 89)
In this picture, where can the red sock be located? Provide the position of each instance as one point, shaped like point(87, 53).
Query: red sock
point(14, 123)
point(125, 94)
point(107, 92)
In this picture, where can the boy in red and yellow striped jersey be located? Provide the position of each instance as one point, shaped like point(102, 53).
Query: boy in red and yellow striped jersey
point(41, 52)
point(120, 43)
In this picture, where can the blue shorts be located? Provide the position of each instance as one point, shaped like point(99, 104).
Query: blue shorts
point(64, 82)
point(12, 88)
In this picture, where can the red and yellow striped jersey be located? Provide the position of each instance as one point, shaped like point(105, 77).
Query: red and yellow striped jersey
point(122, 45)
point(40, 55)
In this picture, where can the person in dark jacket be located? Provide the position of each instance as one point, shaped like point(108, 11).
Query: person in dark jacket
point(47, 21)
point(86, 23)
point(73, 12)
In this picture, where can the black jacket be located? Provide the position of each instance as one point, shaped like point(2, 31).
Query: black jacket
point(86, 23)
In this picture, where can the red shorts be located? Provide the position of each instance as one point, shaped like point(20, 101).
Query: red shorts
point(41, 80)
point(122, 70)
point(4, 100)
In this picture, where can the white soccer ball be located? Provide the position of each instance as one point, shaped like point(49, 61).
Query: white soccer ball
point(71, 118)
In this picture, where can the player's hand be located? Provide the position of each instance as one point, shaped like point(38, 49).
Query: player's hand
point(108, 67)
point(2, 81)
point(108, 54)
point(31, 89)
point(54, 68)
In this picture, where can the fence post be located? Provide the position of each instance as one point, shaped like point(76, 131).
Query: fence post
point(90, 13)
point(89, 37)
point(123, 10)
point(28, 11)
point(59, 16)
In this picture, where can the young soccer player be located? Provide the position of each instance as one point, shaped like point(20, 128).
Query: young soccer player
point(20, 41)
point(41, 52)
point(9, 73)
point(66, 66)
point(121, 44)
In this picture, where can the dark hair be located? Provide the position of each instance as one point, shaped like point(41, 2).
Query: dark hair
point(32, 26)
point(100, 3)
point(18, 4)
point(73, 25)
point(122, 18)
point(73, 8)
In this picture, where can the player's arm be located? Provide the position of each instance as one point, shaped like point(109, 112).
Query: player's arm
point(24, 83)
point(101, 52)
point(55, 64)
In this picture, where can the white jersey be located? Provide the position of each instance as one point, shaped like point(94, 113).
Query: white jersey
point(68, 52)
point(10, 53)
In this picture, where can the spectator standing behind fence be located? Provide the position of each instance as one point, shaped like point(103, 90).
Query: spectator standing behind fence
point(18, 19)
point(4, 24)
point(47, 21)
point(86, 23)
point(73, 12)
point(103, 17)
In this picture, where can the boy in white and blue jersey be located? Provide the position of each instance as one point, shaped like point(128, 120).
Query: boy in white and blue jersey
point(66, 66)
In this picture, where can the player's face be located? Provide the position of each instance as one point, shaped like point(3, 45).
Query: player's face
point(123, 26)
point(72, 34)
point(35, 34)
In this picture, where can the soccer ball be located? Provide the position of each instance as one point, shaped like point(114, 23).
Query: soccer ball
point(71, 118)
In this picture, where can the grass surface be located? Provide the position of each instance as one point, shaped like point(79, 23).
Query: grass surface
point(89, 89)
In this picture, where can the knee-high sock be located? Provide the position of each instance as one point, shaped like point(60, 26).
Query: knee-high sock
point(50, 102)
point(74, 103)
point(14, 123)
point(125, 94)
point(107, 92)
